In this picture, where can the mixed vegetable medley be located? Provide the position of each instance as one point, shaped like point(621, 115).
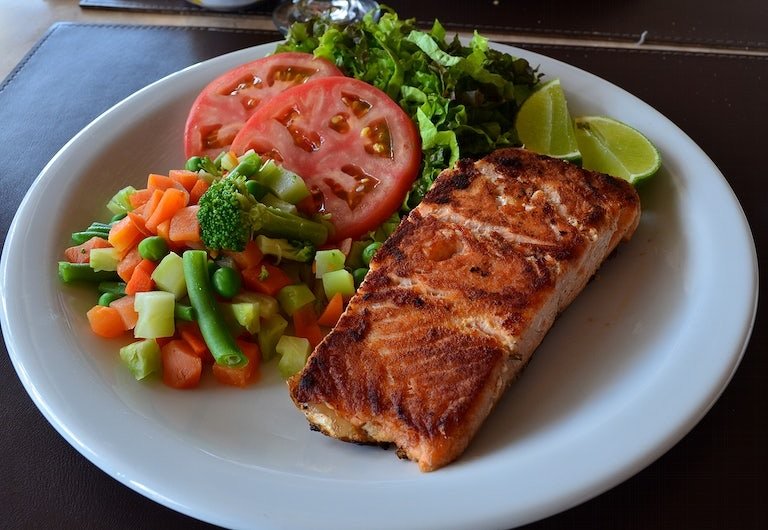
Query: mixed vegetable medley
point(299, 166)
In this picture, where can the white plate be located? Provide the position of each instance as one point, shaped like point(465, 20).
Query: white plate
point(627, 371)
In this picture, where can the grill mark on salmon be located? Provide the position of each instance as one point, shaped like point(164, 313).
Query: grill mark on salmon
point(458, 298)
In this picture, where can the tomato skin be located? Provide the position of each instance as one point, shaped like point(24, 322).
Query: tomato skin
point(226, 103)
point(358, 151)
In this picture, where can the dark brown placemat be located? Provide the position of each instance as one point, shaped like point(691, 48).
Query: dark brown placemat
point(716, 477)
point(738, 24)
point(263, 8)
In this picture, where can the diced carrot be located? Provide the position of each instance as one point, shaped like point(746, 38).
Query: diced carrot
point(141, 279)
point(82, 253)
point(124, 234)
point(152, 203)
point(164, 230)
point(305, 325)
point(159, 182)
point(105, 321)
point(186, 178)
point(248, 257)
point(137, 216)
point(190, 332)
point(197, 191)
point(184, 226)
point(124, 306)
point(172, 200)
point(240, 376)
point(181, 367)
point(139, 197)
point(128, 263)
point(332, 311)
point(265, 278)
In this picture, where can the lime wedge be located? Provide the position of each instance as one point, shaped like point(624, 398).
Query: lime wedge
point(612, 147)
point(544, 125)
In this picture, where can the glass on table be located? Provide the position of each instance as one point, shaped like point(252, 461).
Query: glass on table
point(335, 11)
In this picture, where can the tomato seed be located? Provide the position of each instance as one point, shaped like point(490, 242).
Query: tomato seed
point(291, 74)
point(242, 84)
point(358, 106)
point(339, 123)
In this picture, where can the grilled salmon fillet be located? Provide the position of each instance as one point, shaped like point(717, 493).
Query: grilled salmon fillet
point(458, 298)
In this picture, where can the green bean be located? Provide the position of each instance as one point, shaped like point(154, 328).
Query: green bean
point(74, 272)
point(112, 287)
point(212, 324)
point(184, 312)
point(103, 227)
point(81, 237)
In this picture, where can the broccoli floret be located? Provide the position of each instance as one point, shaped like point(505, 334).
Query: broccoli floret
point(300, 251)
point(229, 217)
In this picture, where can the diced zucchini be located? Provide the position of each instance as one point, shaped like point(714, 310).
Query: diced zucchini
point(272, 329)
point(169, 275)
point(247, 315)
point(293, 297)
point(104, 259)
point(328, 261)
point(228, 161)
point(268, 173)
point(340, 281)
point(142, 358)
point(276, 202)
point(121, 201)
point(248, 154)
point(293, 353)
point(227, 311)
point(156, 312)
point(284, 183)
point(268, 306)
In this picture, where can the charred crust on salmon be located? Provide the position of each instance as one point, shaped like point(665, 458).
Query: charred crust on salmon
point(459, 179)
point(458, 298)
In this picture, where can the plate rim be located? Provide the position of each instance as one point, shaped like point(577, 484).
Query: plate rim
point(500, 517)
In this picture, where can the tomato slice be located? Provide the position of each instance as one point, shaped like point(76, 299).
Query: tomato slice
point(226, 103)
point(358, 151)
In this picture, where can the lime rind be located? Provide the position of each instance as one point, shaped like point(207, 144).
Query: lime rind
point(544, 124)
point(610, 146)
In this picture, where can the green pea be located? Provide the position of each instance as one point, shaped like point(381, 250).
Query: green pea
point(226, 282)
point(193, 164)
point(107, 298)
point(369, 251)
point(153, 248)
point(359, 275)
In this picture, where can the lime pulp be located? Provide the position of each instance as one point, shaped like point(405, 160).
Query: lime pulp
point(544, 124)
point(612, 147)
